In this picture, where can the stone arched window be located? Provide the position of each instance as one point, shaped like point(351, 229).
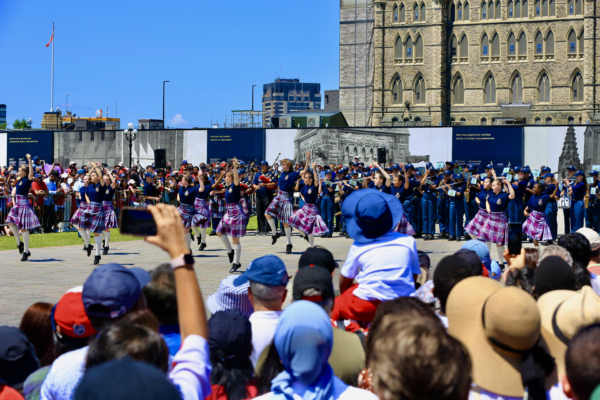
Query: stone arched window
point(420, 91)
point(458, 91)
point(517, 11)
point(491, 10)
point(459, 14)
point(511, 44)
point(538, 8)
point(498, 13)
point(419, 49)
point(581, 47)
point(489, 90)
point(571, 121)
point(544, 8)
point(398, 49)
point(466, 11)
point(516, 90)
point(496, 46)
point(371, 156)
point(544, 89)
point(408, 50)
point(523, 45)
point(483, 9)
point(416, 12)
point(552, 8)
point(538, 121)
point(539, 46)
point(572, 44)
point(423, 12)
point(577, 88)
point(485, 48)
point(549, 121)
point(575, 7)
point(511, 7)
point(483, 121)
point(452, 12)
point(402, 14)
point(397, 91)
point(395, 121)
point(454, 48)
point(355, 151)
point(396, 17)
point(549, 46)
point(464, 49)
point(364, 154)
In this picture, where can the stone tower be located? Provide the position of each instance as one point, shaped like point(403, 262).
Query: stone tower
point(569, 155)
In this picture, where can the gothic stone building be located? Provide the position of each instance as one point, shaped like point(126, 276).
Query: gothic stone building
point(471, 61)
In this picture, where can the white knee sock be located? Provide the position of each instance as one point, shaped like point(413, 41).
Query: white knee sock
point(303, 234)
point(98, 241)
point(26, 240)
point(15, 231)
point(311, 240)
point(203, 233)
point(188, 240)
point(102, 235)
point(500, 250)
point(272, 225)
point(288, 234)
point(237, 248)
point(472, 236)
point(195, 230)
point(85, 237)
point(225, 241)
point(106, 238)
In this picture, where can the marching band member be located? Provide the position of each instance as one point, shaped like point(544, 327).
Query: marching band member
point(470, 204)
point(109, 212)
point(551, 210)
point(81, 219)
point(281, 207)
point(592, 213)
point(474, 227)
point(535, 225)
point(217, 202)
point(495, 229)
point(95, 195)
point(398, 189)
point(578, 190)
point(21, 216)
point(443, 204)
point(429, 203)
point(201, 203)
point(410, 184)
point(307, 220)
point(234, 221)
point(327, 193)
point(567, 211)
point(150, 190)
point(264, 196)
point(457, 206)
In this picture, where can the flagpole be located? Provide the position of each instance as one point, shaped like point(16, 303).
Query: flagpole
point(52, 84)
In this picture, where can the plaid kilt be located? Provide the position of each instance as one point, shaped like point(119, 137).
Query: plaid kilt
point(109, 215)
point(22, 215)
point(404, 227)
point(234, 221)
point(308, 220)
point(536, 227)
point(97, 218)
point(190, 216)
point(82, 218)
point(495, 229)
point(217, 208)
point(281, 207)
point(202, 208)
point(244, 204)
point(474, 227)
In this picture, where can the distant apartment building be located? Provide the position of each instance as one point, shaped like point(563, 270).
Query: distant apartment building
point(2, 113)
point(289, 95)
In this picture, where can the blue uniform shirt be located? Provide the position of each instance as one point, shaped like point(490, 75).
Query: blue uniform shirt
point(520, 189)
point(538, 203)
point(205, 194)
point(325, 191)
point(96, 192)
point(578, 191)
point(498, 202)
point(263, 191)
point(109, 194)
point(187, 195)
point(309, 193)
point(83, 191)
point(482, 195)
point(149, 189)
point(232, 194)
point(371, 185)
point(24, 186)
point(286, 180)
point(384, 189)
point(460, 188)
point(549, 190)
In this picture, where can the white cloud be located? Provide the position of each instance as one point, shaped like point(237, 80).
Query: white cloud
point(178, 120)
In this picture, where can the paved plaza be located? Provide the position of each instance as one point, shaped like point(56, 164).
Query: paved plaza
point(53, 270)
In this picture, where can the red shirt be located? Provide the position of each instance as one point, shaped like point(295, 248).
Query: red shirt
point(39, 186)
point(8, 393)
point(218, 391)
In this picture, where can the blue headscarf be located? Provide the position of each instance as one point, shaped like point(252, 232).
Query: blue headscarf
point(304, 339)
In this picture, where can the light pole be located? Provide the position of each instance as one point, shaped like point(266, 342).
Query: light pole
point(253, 97)
point(67, 104)
point(164, 103)
point(130, 135)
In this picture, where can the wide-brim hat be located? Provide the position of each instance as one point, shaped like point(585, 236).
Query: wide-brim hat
point(370, 214)
point(564, 313)
point(494, 370)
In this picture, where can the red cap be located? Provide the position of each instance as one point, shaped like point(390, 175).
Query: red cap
point(223, 165)
point(71, 317)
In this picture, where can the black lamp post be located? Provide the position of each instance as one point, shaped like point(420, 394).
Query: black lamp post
point(130, 135)
point(253, 97)
point(164, 103)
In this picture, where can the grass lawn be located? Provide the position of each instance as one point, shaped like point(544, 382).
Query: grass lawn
point(72, 238)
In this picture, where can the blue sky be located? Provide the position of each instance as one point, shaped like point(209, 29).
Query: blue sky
point(211, 52)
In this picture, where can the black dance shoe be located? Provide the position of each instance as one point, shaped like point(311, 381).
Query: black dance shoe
point(288, 249)
point(234, 268)
point(25, 256)
point(97, 260)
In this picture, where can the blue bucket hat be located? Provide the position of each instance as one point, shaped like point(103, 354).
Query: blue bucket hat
point(268, 270)
point(483, 252)
point(370, 214)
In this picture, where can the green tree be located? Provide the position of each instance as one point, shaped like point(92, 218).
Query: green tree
point(20, 124)
point(3, 125)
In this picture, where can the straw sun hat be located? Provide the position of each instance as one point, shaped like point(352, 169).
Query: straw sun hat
point(564, 313)
point(500, 327)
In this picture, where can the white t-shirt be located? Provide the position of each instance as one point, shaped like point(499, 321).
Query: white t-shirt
point(383, 268)
point(595, 281)
point(340, 392)
point(555, 393)
point(263, 331)
point(64, 375)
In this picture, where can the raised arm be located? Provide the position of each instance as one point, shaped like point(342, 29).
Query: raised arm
point(305, 170)
point(511, 191)
point(236, 177)
point(30, 167)
point(388, 180)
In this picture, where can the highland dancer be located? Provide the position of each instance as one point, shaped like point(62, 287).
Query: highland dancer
point(474, 227)
point(21, 216)
point(234, 221)
point(109, 212)
point(190, 217)
point(307, 219)
point(95, 196)
point(535, 225)
point(81, 219)
point(202, 206)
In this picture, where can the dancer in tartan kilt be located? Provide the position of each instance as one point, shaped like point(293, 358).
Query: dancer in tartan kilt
point(95, 195)
point(476, 224)
point(189, 215)
point(217, 202)
point(307, 219)
point(81, 219)
point(21, 216)
point(234, 221)
point(495, 229)
point(202, 206)
point(110, 184)
point(535, 225)
point(399, 191)
point(281, 206)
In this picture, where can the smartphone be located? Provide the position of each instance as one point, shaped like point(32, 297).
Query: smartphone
point(137, 222)
point(514, 239)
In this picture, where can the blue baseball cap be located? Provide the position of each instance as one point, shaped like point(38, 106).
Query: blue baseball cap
point(355, 164)
point(418, 173)
point(354, 172)
point(81, 172)
point(428, 165)
point(122, 176)
point(149, 175)
point(367, 174)
point(268, 270)
point(113, 287)
point(455, 162)
point(571, 168)
point(37, 176)
point(241, 171)
point(489, 166)
point(432, 168)
point(548, 175)
point(409, 166)
point(447, 172)
point(546, 169)
point(579, 173)
point(457, 176)
point(241, 162)
point(517, 169)
point(593, 173)
point(264, 162)
point(184, 162)
point(35, 159)
point(345, 169)
point(526, 170)
point(396, 166)
point(483, 252)
point(471, 166)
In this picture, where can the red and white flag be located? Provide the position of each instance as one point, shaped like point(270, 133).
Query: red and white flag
point(51, 37)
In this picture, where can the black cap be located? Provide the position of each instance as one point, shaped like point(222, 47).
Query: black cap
point(125, 379)
point(318, 256)
point(472, 260)
point(231, 333)
point(313, 277)
point(17, 357)
point(554, 273)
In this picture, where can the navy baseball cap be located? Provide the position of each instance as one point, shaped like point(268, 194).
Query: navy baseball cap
point(409, 166)
point(268, 270)
point(81, 172)
point(548, 175)
point(318, 256)
point(264, 162)
point(579, 173)
point(354, 172)
point(17, 356)
point(37, 176)
point(345, 168)
point(230, 332)
point(457, 176)
point(455, 162)
point(35, 159)
point(447, 172)
point(418, 173)
point(571, 168)
point(526, 170)
point(546, 169)
point(593, 173)
point(432, 168)
point(241, 162)
point(113, 287)
point(396, 166)
point(122, 176)
point(428, 165)
point(149, 175)
point(313, 277)
point(242, 171)
point(471, 166)
point(355, 164)
point(489, 166)
point(367, 174)
point(184, 162)
point(517, 169)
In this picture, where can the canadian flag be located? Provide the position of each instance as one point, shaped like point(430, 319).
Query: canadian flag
point(51, 37)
